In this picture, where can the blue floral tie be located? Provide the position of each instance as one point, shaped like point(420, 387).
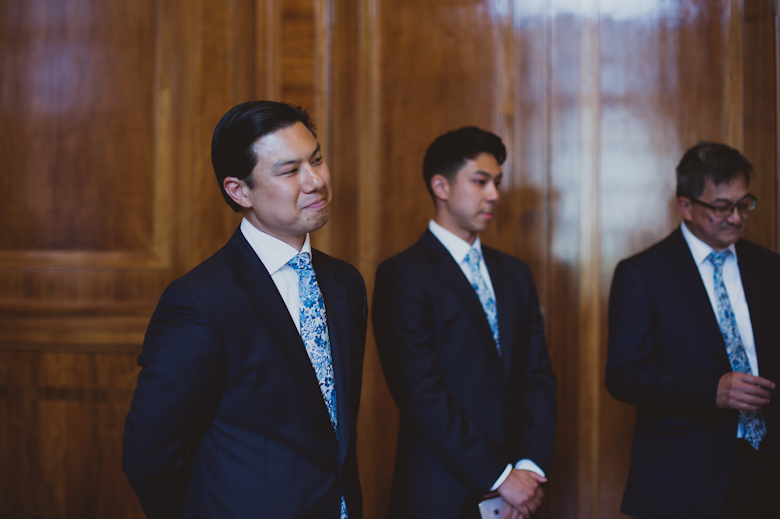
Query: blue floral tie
point(752, 422)
point(480, 286)
point(314, 332)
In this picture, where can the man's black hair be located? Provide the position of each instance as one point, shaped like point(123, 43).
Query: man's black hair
point(232, 146)
point(710, 160)
point(449, 152)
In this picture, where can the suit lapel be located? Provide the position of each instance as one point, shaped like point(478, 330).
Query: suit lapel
point(453, 278)
point(504, 305)
point(273, 318)
point(679, 256)
point(338, 331)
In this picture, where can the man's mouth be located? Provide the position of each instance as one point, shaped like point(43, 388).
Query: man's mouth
point(317, 205)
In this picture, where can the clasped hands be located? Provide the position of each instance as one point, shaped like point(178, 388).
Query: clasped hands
point(522, 493)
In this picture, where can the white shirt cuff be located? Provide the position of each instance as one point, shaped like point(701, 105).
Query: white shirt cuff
point(502, 477)
point(529, 465)
point(524, 464)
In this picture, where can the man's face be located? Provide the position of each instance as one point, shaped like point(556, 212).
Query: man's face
point(292, 191)
point(717, 232)
point(466, 204)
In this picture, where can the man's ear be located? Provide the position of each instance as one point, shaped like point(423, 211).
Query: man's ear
point(440, 187)
point(237, 190)
point(685, 206)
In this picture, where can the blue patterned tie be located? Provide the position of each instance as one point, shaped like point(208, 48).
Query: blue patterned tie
point(480, 286)
point(752, 422)
point(314, 332)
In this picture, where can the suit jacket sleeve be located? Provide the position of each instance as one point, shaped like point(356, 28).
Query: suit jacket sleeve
point(537, 436)
point(178, 389)
point(633, 373)
point(403, 325)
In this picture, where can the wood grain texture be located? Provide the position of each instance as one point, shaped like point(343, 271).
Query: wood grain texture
point(63, 420)
point(77, 125)
point(107, 191)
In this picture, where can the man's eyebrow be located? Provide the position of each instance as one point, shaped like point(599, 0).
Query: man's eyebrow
point(295, 161)
point(728, 200)
point(488, 175)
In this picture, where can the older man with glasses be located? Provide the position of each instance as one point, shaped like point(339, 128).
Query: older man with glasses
point(694, 323)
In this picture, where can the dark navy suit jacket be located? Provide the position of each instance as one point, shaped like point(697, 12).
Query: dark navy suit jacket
point(666, 355)
point(228, 420)
point(465, 412)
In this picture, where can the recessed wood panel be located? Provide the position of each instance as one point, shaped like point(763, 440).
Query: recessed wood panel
point(63, 420)
point(77, 125)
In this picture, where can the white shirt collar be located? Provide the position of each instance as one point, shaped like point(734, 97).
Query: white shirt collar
point(457, 246)
point(699, 249)
point(273, 252)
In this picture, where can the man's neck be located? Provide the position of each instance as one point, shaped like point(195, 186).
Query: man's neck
point(292, 240)
point(461, 233)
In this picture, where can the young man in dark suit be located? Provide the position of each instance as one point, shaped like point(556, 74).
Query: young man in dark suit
point(461, 340)
point(247, 400)
point(694, 323)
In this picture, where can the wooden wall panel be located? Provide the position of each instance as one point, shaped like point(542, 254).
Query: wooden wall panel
point(596, 101)
point(759, 118)
point(64, 125)
point(108, 109)
point(62, 419)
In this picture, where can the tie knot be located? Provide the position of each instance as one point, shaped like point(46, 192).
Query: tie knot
point(718, 258)
point(472, 258)
point(301, 262)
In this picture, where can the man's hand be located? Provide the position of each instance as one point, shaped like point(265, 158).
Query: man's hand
point(522, 494)
point(743, 392)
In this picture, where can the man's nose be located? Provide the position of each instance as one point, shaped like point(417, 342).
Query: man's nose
point(735, 217)
point(312, 179)
point(493, 192)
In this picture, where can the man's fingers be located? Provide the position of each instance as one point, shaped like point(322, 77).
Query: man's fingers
point(751, 389)
point(525, 512)
point(743, 392)
point(753, 400)
point(754, 381)
point(509, 512)
point(741, 406)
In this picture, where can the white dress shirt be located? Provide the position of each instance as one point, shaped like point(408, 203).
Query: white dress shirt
point(274, 254)
point(733, 283)
point(459, 249)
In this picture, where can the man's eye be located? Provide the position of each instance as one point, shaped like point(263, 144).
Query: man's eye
point(317, 160)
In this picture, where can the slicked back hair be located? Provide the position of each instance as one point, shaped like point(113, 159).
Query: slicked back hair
point(448, 153)
point(710, 160)
point(232, 146)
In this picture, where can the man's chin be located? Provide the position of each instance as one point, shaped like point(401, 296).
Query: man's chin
point(317, 223)
point(482, 226)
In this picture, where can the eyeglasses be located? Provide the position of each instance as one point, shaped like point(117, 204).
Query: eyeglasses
point(744, 206)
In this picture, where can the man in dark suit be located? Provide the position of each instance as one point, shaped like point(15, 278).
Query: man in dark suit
point(694, 324)
point(461, 340)
point(247, 399)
